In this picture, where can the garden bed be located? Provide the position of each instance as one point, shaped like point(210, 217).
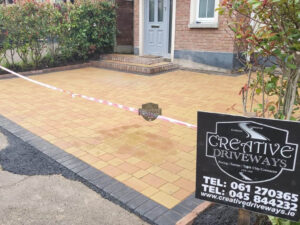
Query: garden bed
point(37, 36)
point(5, 75)
point(225, 215)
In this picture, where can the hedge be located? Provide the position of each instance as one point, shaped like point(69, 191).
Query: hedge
point(37, 35)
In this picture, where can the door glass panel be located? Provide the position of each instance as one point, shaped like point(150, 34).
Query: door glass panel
point(202, 8)
point(160, 10)
point(210, 8)
point(151, 10)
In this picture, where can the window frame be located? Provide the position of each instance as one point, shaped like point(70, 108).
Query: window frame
point(207, 20)
point(197, 22)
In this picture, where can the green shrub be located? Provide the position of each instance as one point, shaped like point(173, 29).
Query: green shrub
point(35, 35)
point(90, 29)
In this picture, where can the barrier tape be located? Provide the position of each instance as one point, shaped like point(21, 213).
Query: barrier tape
point(105, 102)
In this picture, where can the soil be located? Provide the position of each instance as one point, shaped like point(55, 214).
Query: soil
point(225, 215)
point(45, 65)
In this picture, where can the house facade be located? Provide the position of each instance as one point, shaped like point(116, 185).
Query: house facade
point(189, 32)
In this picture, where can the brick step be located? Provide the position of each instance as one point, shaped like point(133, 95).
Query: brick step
point(147, 60)
point(134, 67)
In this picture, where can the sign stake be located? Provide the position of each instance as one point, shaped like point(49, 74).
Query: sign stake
point(244, 217)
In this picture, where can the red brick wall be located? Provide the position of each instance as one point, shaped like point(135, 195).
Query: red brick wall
point(196, 39)
point(125, 22)
point(200, 39)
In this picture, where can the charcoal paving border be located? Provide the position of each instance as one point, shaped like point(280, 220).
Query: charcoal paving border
point(108, 187)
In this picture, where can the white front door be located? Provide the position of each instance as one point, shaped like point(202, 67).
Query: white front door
point(156, 27)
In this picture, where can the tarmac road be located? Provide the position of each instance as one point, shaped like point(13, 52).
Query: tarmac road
point(35, 190)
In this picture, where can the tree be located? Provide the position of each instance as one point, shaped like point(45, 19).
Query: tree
point(267, 36)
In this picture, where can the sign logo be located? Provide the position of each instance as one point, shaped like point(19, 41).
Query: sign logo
point(150, 111)
point(251, 152)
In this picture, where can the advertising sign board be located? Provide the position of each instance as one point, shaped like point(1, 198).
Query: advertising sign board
point(249, 163)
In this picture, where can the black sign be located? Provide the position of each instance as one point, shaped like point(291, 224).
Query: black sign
point(249, 163)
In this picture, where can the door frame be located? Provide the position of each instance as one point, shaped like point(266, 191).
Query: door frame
point(142, 29)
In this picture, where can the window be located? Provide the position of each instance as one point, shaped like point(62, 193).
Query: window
point(206, 9)
point(203, 14)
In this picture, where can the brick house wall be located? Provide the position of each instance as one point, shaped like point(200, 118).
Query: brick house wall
point(203, 39)
point(197, 48)
point(124, 39)
point(202, 48)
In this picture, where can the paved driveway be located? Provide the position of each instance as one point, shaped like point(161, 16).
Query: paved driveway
point(157, 158)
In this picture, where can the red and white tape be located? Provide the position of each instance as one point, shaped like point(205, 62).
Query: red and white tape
point(105, 102)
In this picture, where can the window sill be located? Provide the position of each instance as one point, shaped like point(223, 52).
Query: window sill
point(203, 25)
